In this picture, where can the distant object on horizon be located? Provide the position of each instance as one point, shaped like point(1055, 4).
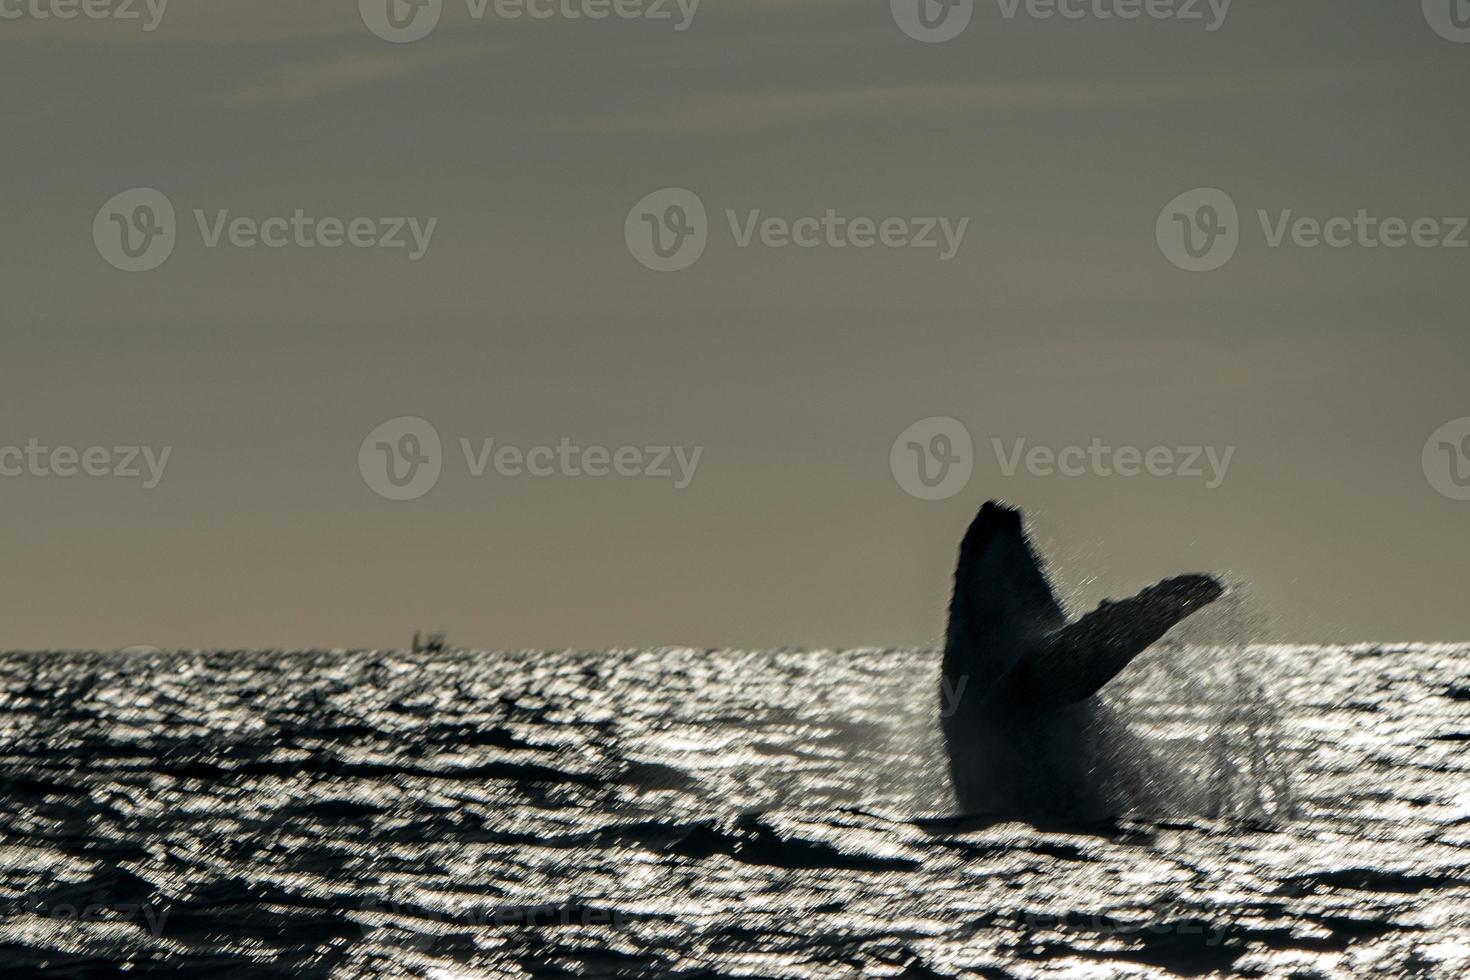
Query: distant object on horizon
point(432, 643)
point(1024, 733)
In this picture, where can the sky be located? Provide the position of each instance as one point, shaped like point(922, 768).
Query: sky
point(793, 425)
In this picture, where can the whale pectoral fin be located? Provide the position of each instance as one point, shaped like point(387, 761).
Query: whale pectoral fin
point(1074, 662)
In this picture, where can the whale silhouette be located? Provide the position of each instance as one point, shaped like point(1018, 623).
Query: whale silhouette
point(1024, 731)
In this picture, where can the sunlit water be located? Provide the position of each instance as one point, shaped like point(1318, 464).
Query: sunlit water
point(713, 814)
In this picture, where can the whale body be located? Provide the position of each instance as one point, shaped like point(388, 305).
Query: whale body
point(1025, 733)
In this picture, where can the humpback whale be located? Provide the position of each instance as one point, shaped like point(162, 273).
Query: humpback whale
point(1025, 732)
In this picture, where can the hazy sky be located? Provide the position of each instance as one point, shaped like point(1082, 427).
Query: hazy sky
point(528, 319)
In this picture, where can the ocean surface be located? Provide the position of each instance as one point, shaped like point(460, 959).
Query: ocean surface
point(697, 813)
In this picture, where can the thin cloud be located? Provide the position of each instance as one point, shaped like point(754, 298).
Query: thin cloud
point(194, 22)
point(767, 109)
point(305, 81)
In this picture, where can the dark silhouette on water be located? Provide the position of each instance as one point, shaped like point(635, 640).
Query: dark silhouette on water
point(1024, 732)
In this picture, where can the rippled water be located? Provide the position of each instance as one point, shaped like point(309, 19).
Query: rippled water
point(712, 814)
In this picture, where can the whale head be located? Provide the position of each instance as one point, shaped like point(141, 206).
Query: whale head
point(1001, 598)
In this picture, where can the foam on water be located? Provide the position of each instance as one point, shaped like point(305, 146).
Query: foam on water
point(1206, 720)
